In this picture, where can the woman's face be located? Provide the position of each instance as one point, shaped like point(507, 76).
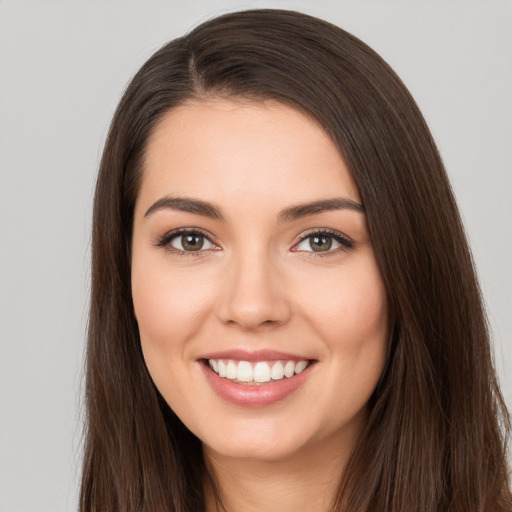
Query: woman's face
point(261, 311)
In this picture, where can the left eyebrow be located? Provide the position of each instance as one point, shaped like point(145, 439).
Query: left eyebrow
point(305, 209)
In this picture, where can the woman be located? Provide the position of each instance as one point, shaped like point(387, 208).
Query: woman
point(284, 309)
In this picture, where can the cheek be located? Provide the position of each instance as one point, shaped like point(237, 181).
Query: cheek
point(170, 308)
point(167, 304)
point(351, 318)
point(350, 309)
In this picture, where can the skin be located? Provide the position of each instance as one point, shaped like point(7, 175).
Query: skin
point(258, 285)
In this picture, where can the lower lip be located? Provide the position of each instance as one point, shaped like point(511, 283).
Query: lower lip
point(254, 395)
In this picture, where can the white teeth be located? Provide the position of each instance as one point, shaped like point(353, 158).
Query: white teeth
point(289, 369)
point(262, 372)
point(300, 366)
point(259, 372)
point(244, 372)
point(231, 372)
point(222, 369)
point(277, 372)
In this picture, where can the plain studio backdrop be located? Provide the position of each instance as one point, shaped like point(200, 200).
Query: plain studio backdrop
point(64, 65)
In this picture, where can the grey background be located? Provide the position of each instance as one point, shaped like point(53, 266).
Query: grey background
point(63, 67)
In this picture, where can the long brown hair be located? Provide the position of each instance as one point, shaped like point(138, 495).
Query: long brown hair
point(436, 435)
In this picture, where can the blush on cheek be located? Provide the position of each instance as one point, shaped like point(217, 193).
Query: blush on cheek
point(168, 311)
point(352, 316)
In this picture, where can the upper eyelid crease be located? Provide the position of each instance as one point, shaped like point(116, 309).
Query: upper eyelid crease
point(323, 231)
point(292, 213)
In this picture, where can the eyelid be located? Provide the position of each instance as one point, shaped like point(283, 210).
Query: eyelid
point(165, 240)
point(345, 241)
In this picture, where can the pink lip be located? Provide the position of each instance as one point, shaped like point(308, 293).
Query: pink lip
point(251, 356)
point(253, 395)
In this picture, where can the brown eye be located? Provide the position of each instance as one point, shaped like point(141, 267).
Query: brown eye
point(320, 243)
point(323, 242)
point(190, 242)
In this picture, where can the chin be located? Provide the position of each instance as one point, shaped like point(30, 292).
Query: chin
point(269, 450)
point(264, 440)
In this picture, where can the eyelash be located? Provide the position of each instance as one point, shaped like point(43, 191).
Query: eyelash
point(345, 242)
point(165, 242)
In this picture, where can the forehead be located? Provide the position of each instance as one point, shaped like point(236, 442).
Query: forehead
point(238, 151)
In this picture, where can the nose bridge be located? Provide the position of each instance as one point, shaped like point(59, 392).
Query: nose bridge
point(254, 293)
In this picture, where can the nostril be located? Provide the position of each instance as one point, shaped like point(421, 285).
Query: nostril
point(252, 297)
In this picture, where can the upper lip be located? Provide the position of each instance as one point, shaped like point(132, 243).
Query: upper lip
point(254, 355)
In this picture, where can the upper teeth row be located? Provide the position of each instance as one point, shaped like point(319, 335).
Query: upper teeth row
point(262, 371)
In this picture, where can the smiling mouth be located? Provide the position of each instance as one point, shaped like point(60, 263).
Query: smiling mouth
point(256, 373)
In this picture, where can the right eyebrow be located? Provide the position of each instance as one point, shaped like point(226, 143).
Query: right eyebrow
point(186, 204)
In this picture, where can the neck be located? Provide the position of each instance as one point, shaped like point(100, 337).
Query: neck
point(307, 480)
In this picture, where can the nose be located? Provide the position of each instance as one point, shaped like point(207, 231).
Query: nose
point(254, 294)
